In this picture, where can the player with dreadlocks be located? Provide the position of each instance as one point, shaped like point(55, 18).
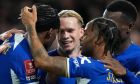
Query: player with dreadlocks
point(79, 66)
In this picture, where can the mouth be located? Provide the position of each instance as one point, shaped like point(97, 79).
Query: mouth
point(66, 43)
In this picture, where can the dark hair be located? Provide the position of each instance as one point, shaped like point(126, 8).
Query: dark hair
point(108, 30)
point(46, 18)
point(126, 7)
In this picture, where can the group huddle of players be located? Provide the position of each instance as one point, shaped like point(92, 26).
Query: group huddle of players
point(100, 53)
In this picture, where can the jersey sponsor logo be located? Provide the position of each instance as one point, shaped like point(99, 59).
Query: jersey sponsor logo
point(83, 59)
point(30, 70)
point(113, 79)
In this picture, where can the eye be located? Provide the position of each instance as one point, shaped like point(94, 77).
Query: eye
point(70, 30)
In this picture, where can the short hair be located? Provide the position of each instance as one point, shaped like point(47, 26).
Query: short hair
point(71, 13)
point(47, 17)
point(126, 7)
point(107, 29)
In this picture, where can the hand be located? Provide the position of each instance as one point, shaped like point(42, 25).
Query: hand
point(9, 33)
point(4, 47)
point(114, 65)
point(28, 17)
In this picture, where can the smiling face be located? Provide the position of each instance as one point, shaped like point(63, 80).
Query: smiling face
point(89, 39)
point(70, 33)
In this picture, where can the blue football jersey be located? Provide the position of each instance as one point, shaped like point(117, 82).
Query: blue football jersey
point(94, 70)
point(18, 67)
point(62, 80)
point(130, 59)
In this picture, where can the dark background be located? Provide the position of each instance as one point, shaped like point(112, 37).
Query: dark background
point(89, 9)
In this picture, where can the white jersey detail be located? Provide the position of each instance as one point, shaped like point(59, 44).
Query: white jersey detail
point(14, 77)
point(82, 80)
point(83, 59)
point(68, 70)
point(137, 74)
point(18, 38)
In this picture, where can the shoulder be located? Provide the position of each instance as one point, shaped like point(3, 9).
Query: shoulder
point(82, 60)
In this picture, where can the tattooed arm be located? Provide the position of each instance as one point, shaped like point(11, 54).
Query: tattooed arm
point(41, 58)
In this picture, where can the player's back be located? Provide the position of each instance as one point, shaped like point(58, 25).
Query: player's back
point(21, 68)
point(5, 75)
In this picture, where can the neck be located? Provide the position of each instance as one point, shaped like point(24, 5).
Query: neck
point(71, 53)
point(124, 46)
point(98, 52)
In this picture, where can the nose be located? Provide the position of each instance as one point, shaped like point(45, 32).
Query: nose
point(66, 35)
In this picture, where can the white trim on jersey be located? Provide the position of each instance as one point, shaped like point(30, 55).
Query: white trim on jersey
point(14, 77)
point(82, 80)
point(68, 70)
point(17, 39)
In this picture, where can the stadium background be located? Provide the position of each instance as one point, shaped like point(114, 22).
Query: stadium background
point(89, 9)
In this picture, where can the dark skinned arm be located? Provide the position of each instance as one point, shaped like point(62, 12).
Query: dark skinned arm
point(41, 58)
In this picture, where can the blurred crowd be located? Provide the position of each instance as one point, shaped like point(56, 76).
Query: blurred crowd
point(89, 9)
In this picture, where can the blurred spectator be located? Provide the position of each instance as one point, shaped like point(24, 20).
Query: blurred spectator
point(88, 9)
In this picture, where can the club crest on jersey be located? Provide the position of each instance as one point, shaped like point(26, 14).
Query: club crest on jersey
point(111, 77)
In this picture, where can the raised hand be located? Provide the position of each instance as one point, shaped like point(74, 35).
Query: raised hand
point(29, 16)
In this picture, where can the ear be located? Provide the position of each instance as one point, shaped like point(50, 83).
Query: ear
point(131, 26)
point(82, 32)
point(48, 33)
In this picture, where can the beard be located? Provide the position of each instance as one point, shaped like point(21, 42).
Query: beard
point(87, 50)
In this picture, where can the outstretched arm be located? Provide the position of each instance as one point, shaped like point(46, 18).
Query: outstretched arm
point(41, 58)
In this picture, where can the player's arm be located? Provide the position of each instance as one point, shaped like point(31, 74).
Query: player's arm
point(42, 60)
point(3, 47)
point(119, 70)
point(9, 33)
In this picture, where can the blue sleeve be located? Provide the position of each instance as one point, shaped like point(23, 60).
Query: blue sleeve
point(78, 67)
point(131, 78)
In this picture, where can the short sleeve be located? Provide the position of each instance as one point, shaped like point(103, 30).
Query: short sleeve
point(77, 67)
